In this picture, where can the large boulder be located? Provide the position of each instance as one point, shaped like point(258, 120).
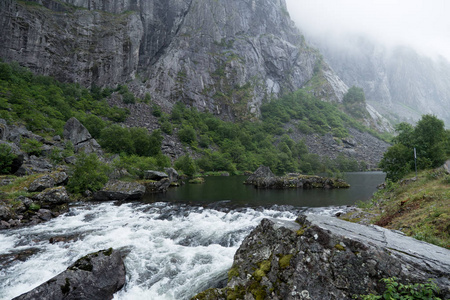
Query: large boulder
point(52, 196)
point(96, 276)
point(120, 190)
point(154, 175)
point(47, 181)
point(320, 257)
point(80, 137)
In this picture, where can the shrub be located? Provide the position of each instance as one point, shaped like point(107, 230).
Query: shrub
point(6, 158)
point(89, 173)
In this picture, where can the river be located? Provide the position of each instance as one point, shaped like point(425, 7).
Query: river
point(174, 245)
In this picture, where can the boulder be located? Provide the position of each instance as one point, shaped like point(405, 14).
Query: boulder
point(154, 175)
point(47, 181)
point(95, 276)
point(75, 132)
point(157, 186)
point(34, 165)
point(446, 166)
point(172, 174)
point(120, 190)
point(318, 257)
point(4, 130)
point(52, 196)
point(80, 137)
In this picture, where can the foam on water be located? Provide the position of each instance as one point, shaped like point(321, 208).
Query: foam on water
point(171, 251)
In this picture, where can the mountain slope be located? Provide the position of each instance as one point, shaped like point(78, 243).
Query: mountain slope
point(399, 82)
point(222, 56)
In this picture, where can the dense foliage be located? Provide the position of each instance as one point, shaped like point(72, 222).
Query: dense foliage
point(430, 140)
point(397, 290)
point(88, 173)
point(6, 158)
point(44, 104)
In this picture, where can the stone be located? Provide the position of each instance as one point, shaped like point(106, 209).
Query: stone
point(80, 137)
point(52, 196)
point(47, 181)
point(5, 212)
point(446, 166)
point(96, 276)
point(327, 258)
point(157, 186)
point(154, 175)
point(120, 190)
point(172, 174)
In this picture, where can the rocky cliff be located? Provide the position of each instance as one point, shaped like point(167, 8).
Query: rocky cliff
point(399, 82)
point(222, 56)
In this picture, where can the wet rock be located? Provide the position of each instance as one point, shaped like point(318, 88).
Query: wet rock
point(48, 181)
point(5, 212)
point(263, 178)
point(157, 186)
point(154, 175)
point(327, 258)
point(120, 190)
point(52, 196)
point(95, 276)
point(172, 174)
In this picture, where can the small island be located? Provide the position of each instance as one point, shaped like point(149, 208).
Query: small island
point(263, 178)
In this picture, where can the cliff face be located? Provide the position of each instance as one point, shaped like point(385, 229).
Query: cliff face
point(399, 82)
point(224, 56)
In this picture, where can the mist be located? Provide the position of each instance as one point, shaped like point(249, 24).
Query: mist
point(422, 25)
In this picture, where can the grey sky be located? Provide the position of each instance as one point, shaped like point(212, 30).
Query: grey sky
point(422, 24)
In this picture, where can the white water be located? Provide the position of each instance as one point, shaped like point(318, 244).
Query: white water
point(171, 251)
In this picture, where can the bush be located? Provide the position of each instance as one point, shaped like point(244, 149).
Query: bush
point(6, 158)
point(89, 173)
point(186, 164)
point(187, 135)
point(31, 146)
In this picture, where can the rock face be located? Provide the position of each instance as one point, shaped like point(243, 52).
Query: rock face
point(263, 178)
point(222, 56)
point(399, 82)
point(48, 181)
point(320, 257)
point(95, 276)
point(120, 190)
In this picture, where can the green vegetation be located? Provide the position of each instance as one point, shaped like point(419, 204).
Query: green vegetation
point(44, 105)
point(419, 207)
point(6, 158)
point(89, 173)
point(429, 138)
point(397, 290)
point(355, 102)
point(216, 145)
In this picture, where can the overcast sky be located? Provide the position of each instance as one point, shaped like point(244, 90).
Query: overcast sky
point(423, 24)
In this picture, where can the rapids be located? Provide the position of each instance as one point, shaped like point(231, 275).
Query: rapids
point(171, 251)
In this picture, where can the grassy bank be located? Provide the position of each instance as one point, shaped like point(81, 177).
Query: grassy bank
point(419, 207)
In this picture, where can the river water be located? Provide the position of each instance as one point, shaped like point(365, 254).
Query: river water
point(173, 248)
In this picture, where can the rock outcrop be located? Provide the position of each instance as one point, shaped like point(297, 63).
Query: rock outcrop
point(120, 190)
point(95, 276)
point(320, 257)
point(263, 178)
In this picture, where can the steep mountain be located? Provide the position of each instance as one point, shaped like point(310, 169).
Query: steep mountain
point(398, 81)
point(221, 56)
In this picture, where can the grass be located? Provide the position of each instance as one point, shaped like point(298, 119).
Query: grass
point(17, 188)
point(419, 207)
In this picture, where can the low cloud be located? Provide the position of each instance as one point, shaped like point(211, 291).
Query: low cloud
point(424, 25)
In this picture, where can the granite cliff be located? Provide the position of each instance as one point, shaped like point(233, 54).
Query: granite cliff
point(221, 56)
point(399, 82)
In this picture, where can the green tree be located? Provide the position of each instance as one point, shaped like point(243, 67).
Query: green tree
point(186, 164)
point(355, 102)
point(89, 173)
point(187, 135)
point(6, 158)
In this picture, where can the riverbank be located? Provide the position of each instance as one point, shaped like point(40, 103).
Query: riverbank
point(417, 206)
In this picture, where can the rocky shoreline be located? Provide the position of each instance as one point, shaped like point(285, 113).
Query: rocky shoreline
point(263, 178)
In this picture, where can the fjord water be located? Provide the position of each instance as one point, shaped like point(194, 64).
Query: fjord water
point(172, 249)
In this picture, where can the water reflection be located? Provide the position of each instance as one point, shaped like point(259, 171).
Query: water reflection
point(231, 191)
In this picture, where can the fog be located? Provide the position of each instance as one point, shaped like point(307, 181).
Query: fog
point(423, 25)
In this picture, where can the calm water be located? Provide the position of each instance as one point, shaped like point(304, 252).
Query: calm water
point(231, 191)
